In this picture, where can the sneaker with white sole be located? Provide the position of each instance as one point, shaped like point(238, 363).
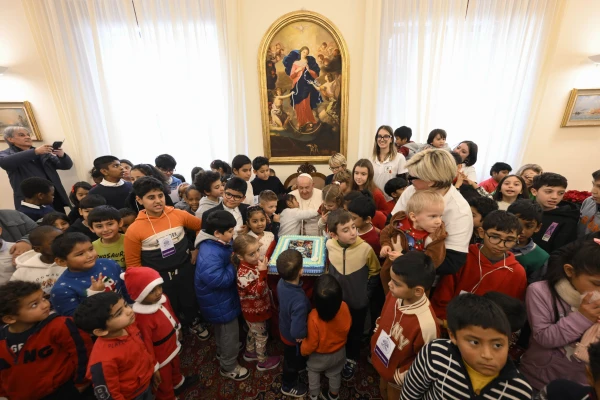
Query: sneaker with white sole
point(270, 363)
point(239, 373)
point(200, 331)
point(250, 356)
point(299, 390)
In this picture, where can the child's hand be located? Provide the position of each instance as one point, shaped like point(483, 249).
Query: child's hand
point(299, 340)
point(324, 217)
point(275, 218)
point(262, 264)
point(243, 230)
point(590, 309)
point(193, 256)
point(393, 255)
point(384, 251)
point(156, 380)
point(97, 284)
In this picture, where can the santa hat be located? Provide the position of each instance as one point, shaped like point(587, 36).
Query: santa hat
point(140, 281)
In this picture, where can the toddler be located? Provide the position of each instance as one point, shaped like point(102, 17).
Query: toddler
point(291, 216)
point(437, 140)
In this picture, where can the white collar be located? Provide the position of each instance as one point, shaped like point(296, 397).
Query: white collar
point(111, 184)
point(149, 308)
point(26, 204)
point(235, 210)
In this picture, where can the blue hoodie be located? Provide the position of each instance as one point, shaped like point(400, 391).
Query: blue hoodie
point(294, 307)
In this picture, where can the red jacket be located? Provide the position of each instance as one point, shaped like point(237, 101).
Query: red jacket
point(159, 326)
point(255, 296)
point(379, 220)
point(121, 368)
point(505, 276)
point(372, 238)
point(54, 353)
point(380, 202)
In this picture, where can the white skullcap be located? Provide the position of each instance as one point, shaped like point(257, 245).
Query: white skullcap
point(305, 176)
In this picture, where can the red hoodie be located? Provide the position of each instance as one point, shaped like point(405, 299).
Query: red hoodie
point(505, 276)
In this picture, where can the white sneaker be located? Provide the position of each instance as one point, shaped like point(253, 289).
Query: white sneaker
point(239, 373)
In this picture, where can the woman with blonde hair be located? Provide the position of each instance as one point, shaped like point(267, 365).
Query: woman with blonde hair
point(387, 162)
point(528, 172)
point(337, 163)
point(435, 170)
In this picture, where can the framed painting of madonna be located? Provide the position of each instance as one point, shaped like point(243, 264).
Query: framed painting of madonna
point(303, 66)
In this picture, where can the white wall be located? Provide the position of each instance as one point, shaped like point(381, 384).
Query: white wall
point(572, 152)
point(25, 80)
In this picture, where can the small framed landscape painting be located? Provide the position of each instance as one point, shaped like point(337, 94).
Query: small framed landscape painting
point(19, 114)
point(583, 108)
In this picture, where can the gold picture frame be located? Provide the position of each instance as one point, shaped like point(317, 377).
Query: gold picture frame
point(583, 108)
point(303, 66)
point(21, 114)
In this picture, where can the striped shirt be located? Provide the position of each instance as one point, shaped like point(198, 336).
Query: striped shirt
point(438, 372)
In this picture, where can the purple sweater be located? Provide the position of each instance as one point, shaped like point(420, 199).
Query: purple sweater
point(545, 360)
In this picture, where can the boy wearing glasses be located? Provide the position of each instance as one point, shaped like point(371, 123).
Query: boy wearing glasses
point(233, 196)
point(490, 267)
point(166, 164)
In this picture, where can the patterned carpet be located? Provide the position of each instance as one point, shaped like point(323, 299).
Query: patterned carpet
point(198, 357)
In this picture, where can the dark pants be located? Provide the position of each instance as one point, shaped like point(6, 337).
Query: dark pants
point(179, 287)
point(147, 395)
point(356, 330)
point(376, 299)
point(293, 362)
point(65, 392)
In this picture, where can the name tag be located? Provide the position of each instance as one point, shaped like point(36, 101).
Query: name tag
point(167, 248)
point(384, 347)
point(549, 231)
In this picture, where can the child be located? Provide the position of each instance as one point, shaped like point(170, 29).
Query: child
point(255, 299)
point(181, 189)
point(242, 168)
point(473, 363)
point(498, 171)
point(291, 216)
point(325, 344)
point(157, 239)
point(363, 210)
point(166, 164)
point(590, 209)
point(209, 184)
point(78, 192)
point(355, 265)
point(105, 221)
point(489, 267)
point(407, 321)
point(394, 188)
point(160, 328)
point(57, 220)
point(6, 260)
point(511, 189)
point(191, 200)
point(560, 310)
point(532, 257)
point(263, 179)
point(559, 224)
point(38, 265)
point(233, 196)
point(39, 195)
point(121, 365)
point(268, 201)
point(402, 137)
point(294, 307)
point(480, 207)
point(42, 355)
point(96, 176)
point(437, 140)
point(419, 228)
point(113, 188)
point(128, 216)
point(86, 274)
point(272, 172)
point(344, 179)
point(379, 220)
point(517, 317)
point(216, 290)
point(86, 205)
point(257, 222)
point(127, 165)
point(333, 199)
point(363, 180)
point(221, 167)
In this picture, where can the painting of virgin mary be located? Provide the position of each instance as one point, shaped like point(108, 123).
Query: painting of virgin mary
point(304, 72)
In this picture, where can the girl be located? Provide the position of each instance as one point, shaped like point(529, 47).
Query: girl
point(337, 163)
point(257, 222)
point(560, 310)
point(467, 151)
point(191, 199)
point(387, 163)
point(333, 198)
point(255, 299)
point(291, 216)
point(57, 220)
point(210, 185)
point(127, 165)
point(221, 167)
point(510, 189)
point(528, 172)
point(363, 180)
point(437, 140)
point(140, 170)
point(344, 179)
point(78, 192)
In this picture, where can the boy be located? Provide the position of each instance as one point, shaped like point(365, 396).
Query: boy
point(42, 355)
point(263, 179)
point(105, 221)
point(590, 209)
point(6, 260)
point(160, 328)
point(216, 290)
point(121, 366)
point(38, 265)
point(241, 166)
point(560, 220)
point(480, 208)
point(86, 274)
point(473, 363)
point(491, 267)
point(128, 216)
point(402, 136)
point(112, 187)
point(356, 267)
point(498, 171)
point(294, 307)
point(268, 202)
point(397, 340)
point(210, 185)
point(166, 164)
point(39, 195)
point(233, 196)
point(157, 239)
point(517, 317)
point(363, 210)
point(394, 188)
point(531, 256)
point(86, 205)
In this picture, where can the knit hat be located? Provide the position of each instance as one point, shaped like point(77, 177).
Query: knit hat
point(140, 281)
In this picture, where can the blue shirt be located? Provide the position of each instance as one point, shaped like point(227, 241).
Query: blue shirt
point(294, 307)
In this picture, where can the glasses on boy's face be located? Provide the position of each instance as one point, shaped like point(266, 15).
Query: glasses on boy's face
point(167, 171)
point(230, 196)
point(508, 243)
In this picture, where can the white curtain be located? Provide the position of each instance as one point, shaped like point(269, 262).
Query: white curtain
point(139, 78)
point(467, 66)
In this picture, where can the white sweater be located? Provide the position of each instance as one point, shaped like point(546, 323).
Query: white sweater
point(31, 268)
point(290, 220)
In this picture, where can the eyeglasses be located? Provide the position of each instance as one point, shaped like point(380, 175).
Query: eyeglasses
point(508, 243)
point(385, 137)
point(333, 169)
point(167, 171)
point(233, 196)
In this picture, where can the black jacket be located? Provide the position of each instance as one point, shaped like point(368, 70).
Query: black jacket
point(242, 207)
point(559, 227)
point(15, 226)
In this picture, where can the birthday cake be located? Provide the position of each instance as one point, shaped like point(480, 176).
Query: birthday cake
point(312, 249)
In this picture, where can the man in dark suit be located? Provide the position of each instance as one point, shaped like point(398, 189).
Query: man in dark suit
point(235, 193)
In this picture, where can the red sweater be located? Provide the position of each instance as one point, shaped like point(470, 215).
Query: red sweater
point(379, 220)
point(255, 296)
point(380, 202)
point(489, 185)
point(505, 276)
point(121, 368)
point(326, 337)
point(54, 353)
point(410, 327)
point(372, 238)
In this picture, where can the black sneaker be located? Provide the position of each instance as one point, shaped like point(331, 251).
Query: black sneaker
point(201, 332)
point(326, 395)
point(187, 383)
point(299, 390)
point(349, 370)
